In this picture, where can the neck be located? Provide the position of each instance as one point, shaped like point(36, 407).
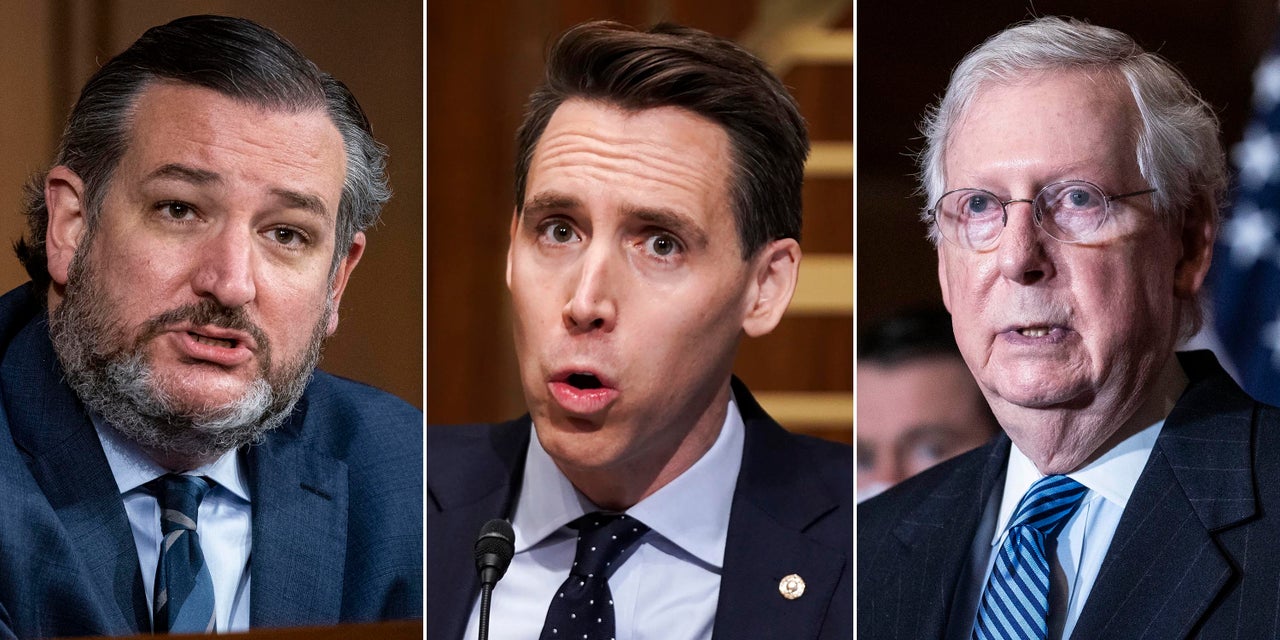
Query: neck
point(1062, 441)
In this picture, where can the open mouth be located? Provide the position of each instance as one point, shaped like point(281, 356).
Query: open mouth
point(1035, 332)
point(213, 342)
point(583, 381)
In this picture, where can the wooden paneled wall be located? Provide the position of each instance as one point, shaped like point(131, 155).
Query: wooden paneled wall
point(51, 48)
point(479, 72)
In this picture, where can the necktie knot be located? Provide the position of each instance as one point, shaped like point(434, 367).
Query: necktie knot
point(179, 497)
point(603, 538)
point(1048, 505)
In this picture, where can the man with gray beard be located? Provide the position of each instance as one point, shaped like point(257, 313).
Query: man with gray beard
point(175, 462)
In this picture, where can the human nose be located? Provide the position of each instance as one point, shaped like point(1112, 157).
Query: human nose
point(1022, 254)
point(225, 269)
point(593, 303)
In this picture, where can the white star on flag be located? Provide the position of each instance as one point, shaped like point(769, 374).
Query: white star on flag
point(1266, 84)
point(1271, 340)
point(1250, 234)
point(1257, 156)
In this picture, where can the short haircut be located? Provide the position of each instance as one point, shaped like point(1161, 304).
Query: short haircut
point(235, 57)
point(675, 66)
point(913, 334)
point(1178, 150)
point(909, 334)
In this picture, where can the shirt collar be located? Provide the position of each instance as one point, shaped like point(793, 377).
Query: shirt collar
point(133, 468)
point(1111, 477)
point(691, 511)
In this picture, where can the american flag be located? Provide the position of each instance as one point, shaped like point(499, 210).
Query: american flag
point(1245, 277)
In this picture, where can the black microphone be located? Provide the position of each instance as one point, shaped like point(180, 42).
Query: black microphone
point(494, 549)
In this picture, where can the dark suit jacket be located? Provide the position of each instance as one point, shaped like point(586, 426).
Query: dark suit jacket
point(1196, 552)
point(337, 505)
point(792, 512)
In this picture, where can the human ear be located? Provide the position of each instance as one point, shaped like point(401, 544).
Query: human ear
point(515, 223)
point(340, 278)
point(64, 199)
point(1197, 236)
point(774, 275)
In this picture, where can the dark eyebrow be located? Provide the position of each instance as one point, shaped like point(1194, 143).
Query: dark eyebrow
point(303, 201)
point(553, 201)
point(184, 173)
point(672, 221)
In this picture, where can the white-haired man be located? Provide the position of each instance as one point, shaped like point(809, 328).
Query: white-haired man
point(1073, 181)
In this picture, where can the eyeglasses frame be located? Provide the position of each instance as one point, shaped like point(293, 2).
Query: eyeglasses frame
point(1036, 214)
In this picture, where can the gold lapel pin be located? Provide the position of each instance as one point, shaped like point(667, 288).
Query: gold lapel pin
point(791, 587)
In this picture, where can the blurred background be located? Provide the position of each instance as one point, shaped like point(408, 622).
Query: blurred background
point(479, 73)
point(51, 48)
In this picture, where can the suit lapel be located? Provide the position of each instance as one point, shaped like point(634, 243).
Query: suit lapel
point(1164, 567)
point(51, 428)
point(461, 497)
point(937, 537)
point(778, 499)
point(300, 540)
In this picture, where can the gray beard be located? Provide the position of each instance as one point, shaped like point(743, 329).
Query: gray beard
point(113, 377)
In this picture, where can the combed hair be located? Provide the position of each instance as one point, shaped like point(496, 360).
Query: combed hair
point(1177, 146)
point(235, 57)
point(671, 65)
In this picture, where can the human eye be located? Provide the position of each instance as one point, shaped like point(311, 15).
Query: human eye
point(662, 245)
point(289, 237)
point(974, 204)
point(176, 210)
point(557, 231)
point(1080, 198)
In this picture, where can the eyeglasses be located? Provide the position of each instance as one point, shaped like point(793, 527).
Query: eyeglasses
point(1070, 211)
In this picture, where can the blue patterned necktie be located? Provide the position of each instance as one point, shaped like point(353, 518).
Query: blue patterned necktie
point(183, 589)
point(582, 608)
point(1016, 601)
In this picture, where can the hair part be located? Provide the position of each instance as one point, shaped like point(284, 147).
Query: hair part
point(671, 65)
point(235, 57)
point(1176, 131)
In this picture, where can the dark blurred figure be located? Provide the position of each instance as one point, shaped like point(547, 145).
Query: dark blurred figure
point(917, 402)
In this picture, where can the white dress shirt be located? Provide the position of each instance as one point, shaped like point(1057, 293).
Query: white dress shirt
point(224, 523)
point(666, 590)
point(1083, 542)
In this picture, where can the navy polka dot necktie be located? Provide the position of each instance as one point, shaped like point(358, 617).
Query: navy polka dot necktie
point(183, 588)
point(582, 608)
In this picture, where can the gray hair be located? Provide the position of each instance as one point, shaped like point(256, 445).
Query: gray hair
point(1178, 150)
point(235, 57)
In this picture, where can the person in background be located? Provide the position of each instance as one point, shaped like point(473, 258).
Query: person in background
point(917, 402)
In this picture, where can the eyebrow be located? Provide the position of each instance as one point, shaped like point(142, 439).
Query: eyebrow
point(671, 220)
point(544, 202)
point(663, 217)
point(184, 173)
point(201, 177)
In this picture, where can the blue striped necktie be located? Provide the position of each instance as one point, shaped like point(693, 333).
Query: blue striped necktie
point(183, 589)
point(1016, 601)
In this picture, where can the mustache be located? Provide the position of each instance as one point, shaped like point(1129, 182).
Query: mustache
point(206, 312)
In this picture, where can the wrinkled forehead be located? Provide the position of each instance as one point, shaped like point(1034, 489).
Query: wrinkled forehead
point(1088, 113)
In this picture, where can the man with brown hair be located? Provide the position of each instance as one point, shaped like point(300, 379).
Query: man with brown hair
point(656, 223)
